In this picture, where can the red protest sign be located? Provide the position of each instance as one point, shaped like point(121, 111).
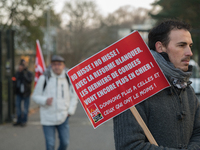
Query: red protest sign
point(117, 78)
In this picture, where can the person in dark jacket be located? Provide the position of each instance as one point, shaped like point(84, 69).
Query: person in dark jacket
point(23, 82)
point(172, 115)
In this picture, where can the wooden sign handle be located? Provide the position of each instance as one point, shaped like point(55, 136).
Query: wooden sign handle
point(143, 125)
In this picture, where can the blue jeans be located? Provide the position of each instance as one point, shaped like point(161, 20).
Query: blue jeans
point(22, 114)
point(63, 134)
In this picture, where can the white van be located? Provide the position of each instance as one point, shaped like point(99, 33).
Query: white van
point(195, 77)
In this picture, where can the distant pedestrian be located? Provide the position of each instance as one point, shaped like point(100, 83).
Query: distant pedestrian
point(57, 100)
point(23, 80)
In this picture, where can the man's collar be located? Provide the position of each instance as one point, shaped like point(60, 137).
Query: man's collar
point(165, 56)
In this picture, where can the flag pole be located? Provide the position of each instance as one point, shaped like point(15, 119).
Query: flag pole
point(143, 125)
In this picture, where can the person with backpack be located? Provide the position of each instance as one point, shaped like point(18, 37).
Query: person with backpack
point(57, 100)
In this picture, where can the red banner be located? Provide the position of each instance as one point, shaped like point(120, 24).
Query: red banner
point(117, 78)
point(39, 62)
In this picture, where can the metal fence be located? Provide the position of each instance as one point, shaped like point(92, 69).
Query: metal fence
point(7, 59)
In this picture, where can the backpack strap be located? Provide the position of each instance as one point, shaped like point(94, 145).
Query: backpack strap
point(68, 79)
point(45, 81)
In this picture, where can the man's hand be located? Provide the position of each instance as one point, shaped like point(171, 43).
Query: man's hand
point(49, 101)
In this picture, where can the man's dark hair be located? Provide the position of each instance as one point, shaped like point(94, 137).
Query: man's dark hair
point(22, 62)
point(162, 31)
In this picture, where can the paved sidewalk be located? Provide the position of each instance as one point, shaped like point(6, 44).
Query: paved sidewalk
point(82, 134)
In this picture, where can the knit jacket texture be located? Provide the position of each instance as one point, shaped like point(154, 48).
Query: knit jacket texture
point(64, 99)
point(173, 120)
point(172, 116)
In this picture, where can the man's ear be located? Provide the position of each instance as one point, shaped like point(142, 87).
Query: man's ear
point(159, 47)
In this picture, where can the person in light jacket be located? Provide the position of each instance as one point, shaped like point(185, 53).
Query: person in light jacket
point(57, 100)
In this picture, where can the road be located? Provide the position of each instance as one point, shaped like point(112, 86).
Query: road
point(82, 134)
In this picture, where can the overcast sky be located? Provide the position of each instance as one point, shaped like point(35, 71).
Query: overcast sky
point(108, 6)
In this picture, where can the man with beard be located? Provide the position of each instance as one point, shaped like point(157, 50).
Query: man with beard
point(172, 115)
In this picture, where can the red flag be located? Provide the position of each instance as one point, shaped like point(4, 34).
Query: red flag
point(39, 62)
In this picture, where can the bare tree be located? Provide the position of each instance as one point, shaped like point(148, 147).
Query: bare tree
point(82, 27)
point(126, 16)
point(87, 32)
point(27, 17)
